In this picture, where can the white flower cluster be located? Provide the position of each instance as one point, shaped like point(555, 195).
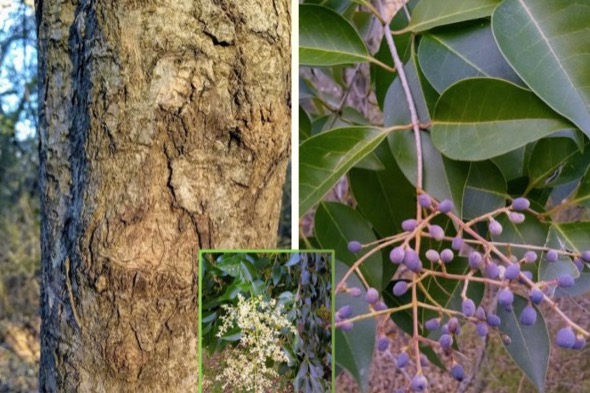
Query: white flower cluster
point(261, 322)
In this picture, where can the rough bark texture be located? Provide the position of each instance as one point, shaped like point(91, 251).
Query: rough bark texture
point(164, 130)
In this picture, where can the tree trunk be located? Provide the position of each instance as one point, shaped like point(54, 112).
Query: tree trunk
point(164, 130)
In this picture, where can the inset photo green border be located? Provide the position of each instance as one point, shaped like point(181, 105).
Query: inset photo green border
point(266, 321)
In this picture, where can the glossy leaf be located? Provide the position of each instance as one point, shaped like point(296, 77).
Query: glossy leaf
point(582, 196)
point(485, 189)
point(354, 349)
point(529, 345)
point(327, 39)
point(335, 225)
point(548, 156)
point(512, 164)
point(453, 54)
point(326, 157)
point(433, 13)
point(573, 236)
point(385, 197)
point(548, 44)
point(480, 118)
point(442, 178)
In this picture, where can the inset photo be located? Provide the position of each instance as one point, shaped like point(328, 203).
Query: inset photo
point(266, 321)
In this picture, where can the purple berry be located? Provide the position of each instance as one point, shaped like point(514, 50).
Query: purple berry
point(424, 200)
point(419, 383)
point(453, 325)
point(495, 228)
point(492, 270)
point(565, 281)
point(475, 260)
point(432, 324)
point(527, 274)
point(516, 218)
point(494, 320)
point(520, 204)
point(346, 326)
point(409, 225)
point(468, 307)
point(457, 243)
point(372, 296)
point(444, 329)
point(482, 329)
point(345, 312)
point(536, 296)
point(400, 288)
point(383, 344)
point(446, 255)
point(565, 338)
point(585, 256)
point(402, 360)
point(432, 256)
point(445, 341)
point(397, 255)
point(354, 292)
point(530, 256)
point(412, 261)
point(380, 306)
point(551, 256)
point(445, 206)
point(505, 298)
point(424, 360)
point(580, 343)
point(458, 372)
point(480, 313)
point(528, 316)
point(579, 264)
point(512, 271)
point(354, 246)
point(436, 232)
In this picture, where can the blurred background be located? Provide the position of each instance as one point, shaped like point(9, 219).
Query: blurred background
point(19, 199)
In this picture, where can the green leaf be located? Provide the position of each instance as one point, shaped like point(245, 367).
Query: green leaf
point(573, 236)
point(549, 155)
point(354, 349)
point(548, 44)
point(512, 164)
point(485, 190)
point(582, 196)
point(480, 118)
point(453, 54)
point(385, 197)
point(304, 125)
point(335, 225)
point(529, 345)
point(326, 157)
point(442, 178)
point(327, 39)
point(433, 13)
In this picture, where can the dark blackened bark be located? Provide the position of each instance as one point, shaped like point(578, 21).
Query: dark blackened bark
point(164, 129)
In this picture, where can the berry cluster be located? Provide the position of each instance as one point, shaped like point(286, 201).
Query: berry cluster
point(486, 261)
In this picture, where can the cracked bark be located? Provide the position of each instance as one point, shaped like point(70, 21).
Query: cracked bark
point(164, 129)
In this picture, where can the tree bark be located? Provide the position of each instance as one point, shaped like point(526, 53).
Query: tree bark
point(164, 130)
